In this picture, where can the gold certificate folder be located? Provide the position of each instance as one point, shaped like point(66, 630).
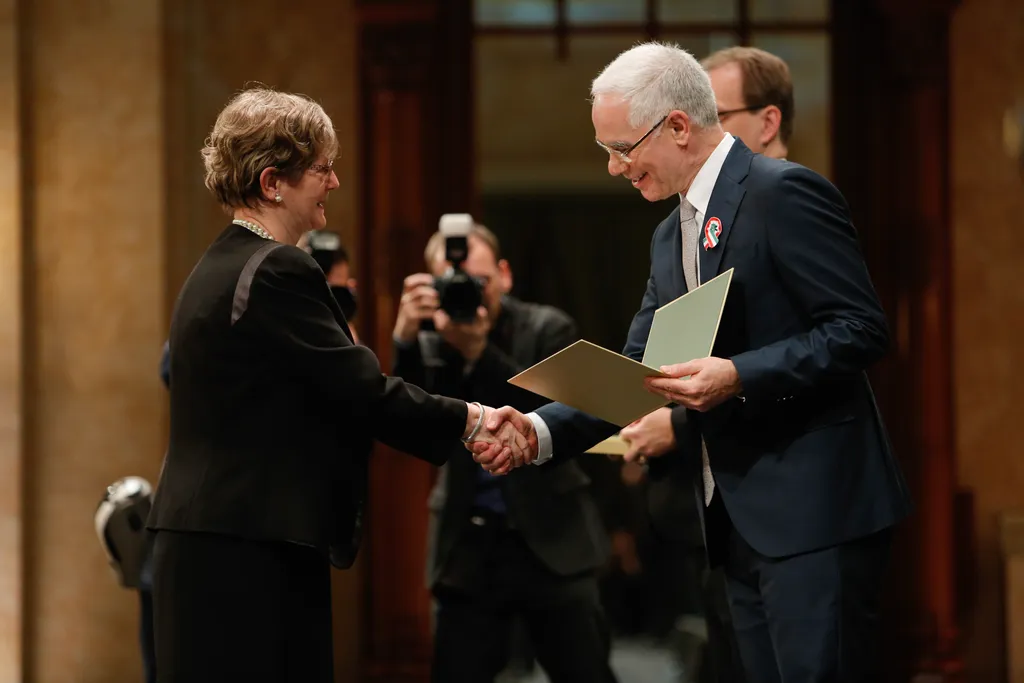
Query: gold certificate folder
point(595, 380)
point(610, 386)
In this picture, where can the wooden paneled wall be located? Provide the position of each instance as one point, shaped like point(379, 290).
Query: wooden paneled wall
point(891, 131)
point(416, 163)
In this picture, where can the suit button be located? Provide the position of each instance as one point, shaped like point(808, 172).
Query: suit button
point(477, 520)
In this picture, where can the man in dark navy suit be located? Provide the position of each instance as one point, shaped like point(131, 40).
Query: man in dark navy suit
point(778, 430)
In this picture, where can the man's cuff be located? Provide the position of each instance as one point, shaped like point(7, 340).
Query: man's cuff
point(679, 422)
point(544, 445)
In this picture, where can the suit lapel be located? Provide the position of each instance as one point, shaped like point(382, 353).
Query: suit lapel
point(725, 200)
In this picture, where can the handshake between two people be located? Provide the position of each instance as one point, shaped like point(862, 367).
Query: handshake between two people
point(500, 439)
point(503, 439)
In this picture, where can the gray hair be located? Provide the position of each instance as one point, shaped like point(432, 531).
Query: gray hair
point(656, 78)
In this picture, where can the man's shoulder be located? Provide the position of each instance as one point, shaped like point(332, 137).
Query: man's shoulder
point(776, 174)
point(776, 187)
point(671, 221)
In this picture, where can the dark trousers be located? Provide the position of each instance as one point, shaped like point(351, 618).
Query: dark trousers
point(491, 577)
point(146, 638)
point(723, 664)
point(809, 618)
point(228, 609)
point(146, 635)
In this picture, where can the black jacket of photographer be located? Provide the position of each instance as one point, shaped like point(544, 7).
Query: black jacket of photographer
point(551, 508)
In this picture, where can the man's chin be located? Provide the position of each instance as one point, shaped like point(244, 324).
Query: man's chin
point(652, 193)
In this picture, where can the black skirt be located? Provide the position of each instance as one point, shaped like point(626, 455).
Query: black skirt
point(227, 609)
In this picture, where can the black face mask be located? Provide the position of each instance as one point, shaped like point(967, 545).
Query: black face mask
point(346, 299)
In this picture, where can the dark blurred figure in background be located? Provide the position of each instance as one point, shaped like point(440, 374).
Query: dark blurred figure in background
point(527, 544)
point(652, 586)
point(624, 579)
point(146, 577)
point(330, 254)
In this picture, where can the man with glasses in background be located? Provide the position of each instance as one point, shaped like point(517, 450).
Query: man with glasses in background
point(754, 93)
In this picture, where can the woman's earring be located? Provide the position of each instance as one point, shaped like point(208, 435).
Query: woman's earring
point(277, 197)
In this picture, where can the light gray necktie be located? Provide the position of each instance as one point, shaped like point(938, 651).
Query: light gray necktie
point(691, 234)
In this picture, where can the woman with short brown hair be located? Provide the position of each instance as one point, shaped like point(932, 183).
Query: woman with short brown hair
point(273, 413)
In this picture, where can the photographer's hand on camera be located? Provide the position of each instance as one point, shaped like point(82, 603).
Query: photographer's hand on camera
point(469, 339)
point(419, 302)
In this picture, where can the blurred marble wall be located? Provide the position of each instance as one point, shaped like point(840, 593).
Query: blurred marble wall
point(987, 52)
point(10, 349)
point(93, 271)
point(103, 110)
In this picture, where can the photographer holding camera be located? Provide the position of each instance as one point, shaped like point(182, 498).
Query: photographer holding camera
point(526, 545)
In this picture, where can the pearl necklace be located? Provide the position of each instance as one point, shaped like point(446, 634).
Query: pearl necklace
point(254, 228)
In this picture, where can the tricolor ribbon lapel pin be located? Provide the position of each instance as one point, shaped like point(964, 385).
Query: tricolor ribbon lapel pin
point(712, 231)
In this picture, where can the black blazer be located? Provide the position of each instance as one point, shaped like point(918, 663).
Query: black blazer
point(552, 508)
point(802, 461)
point(274, 409)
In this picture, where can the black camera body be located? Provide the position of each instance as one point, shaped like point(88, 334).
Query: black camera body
point(325, 248)
point(459, 293)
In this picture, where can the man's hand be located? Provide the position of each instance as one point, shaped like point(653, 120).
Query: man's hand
point(650, 436)
point(469, 339)
point(509, 426)
point(624, 552)
point(699, 385)
point(419, 302)
point(632, 473)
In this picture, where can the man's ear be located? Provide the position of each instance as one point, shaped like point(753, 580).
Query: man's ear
point(771, 120)
point(505, 276)
point(679, 126)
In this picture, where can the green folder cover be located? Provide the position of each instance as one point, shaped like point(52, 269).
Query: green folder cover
point(610, 386)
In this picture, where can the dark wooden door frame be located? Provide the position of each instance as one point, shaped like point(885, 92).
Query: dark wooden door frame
point(416, 133)
point(892, 162)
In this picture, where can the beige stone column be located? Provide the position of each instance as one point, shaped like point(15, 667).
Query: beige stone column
point(103, 108)
point(987, 64)
point(10, 347)
point(93, 149)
